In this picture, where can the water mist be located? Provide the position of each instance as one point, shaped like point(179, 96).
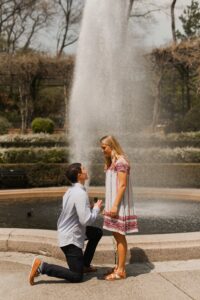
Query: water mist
point(105, 91)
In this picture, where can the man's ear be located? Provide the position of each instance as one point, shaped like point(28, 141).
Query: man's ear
point(79, 174)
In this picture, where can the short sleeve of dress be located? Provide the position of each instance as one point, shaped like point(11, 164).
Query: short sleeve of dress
point(122, 165)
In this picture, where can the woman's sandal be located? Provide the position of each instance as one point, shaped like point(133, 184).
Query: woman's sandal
point(110, 271)
point(116, 275)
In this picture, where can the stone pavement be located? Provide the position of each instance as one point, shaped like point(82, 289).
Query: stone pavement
point(172, 280)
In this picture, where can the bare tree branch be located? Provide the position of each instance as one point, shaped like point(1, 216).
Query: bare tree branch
point(71, 12)
point(146, 13)
point(20, 20)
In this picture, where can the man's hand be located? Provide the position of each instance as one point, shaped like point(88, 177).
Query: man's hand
point(98, 203)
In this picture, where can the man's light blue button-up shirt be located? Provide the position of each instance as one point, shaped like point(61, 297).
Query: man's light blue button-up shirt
point(75, 216)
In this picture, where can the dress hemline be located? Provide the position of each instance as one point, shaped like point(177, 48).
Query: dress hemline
point(119, 231)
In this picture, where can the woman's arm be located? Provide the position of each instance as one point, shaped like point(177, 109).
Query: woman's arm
point(122, 181)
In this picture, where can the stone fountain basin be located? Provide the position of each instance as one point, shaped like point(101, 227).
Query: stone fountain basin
point(158, 210)
point(143, 247)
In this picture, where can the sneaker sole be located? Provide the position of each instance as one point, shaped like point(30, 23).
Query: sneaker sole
point(35, 265)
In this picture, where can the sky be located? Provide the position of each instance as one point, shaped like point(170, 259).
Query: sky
point(161, 30)
point(158, 32)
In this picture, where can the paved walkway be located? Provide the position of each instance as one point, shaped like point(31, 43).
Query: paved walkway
point(175, 280)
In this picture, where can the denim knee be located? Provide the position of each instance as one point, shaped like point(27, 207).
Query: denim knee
point(78, 277)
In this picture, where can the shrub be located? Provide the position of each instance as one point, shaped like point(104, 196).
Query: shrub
point(157, 155)
point(160, 175)
point(183, 139)
point(42, 125)
point(175, 126)
point(192, 119)
point(166, 155)
point(33, 140)
point(33, 155)
point(38, 174)
point(4, 125)
point(191, 122)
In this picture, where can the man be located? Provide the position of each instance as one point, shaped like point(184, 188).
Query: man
point(75, 216)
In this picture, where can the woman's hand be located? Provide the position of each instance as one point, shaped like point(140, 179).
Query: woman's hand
point(114, 211)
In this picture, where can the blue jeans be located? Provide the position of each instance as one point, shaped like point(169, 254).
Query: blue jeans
point(75, 258)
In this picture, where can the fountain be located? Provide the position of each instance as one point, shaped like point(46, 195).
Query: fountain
point(105, 100)
point(105, 95)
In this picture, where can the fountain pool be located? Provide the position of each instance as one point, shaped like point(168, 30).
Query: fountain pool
point(154, 215)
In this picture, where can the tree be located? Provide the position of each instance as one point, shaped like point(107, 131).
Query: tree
point(26, 67)
point(20, 21)
point(26, 73)
point(190, 20)
point(159, 68)
point(71, 12)
point(182, 64)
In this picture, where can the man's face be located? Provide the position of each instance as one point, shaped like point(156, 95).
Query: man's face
point(84, 174)
point(106, 150)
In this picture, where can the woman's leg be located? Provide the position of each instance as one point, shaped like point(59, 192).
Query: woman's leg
point(121, 250)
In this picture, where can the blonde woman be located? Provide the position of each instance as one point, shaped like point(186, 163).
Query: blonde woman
point(119, 214)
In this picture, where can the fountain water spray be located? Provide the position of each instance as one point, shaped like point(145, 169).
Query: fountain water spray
point(103, 99)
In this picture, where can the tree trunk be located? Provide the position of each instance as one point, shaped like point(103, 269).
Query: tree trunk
point(173, 23)
point(156, 109)
point(22, 111)
point(66, 120)
point(188, 98)
point(183, 95)
point(130, 7)
point(26, 113)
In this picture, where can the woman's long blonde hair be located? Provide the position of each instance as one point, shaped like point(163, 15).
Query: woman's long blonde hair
point(116, 149)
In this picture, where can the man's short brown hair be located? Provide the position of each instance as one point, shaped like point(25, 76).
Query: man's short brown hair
point(72, 172)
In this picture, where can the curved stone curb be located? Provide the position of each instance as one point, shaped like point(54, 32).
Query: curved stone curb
point(176, 246)
point(99, 192)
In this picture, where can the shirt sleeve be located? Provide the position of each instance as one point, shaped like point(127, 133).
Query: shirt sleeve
point(122, 166)
point(85, 214)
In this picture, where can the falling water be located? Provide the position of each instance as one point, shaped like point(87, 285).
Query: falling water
point(105, 92)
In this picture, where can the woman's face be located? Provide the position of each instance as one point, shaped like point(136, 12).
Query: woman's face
point(107, 151)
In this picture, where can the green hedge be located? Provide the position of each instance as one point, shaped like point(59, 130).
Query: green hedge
point(33, 155)
point(158, 155)
point(165, 155)
point(190, 122)
point(189, 139)
point(60, 155)
point(167, 175)
point(177, 175)
point(5, 125)
point(183, 139)
point(40, 174)
point(33, 140)
point(157, 175)
point(172, 140)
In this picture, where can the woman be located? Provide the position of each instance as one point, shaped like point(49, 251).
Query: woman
point(119, 214)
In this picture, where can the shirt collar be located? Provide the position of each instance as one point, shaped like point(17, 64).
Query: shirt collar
point(78, 184)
